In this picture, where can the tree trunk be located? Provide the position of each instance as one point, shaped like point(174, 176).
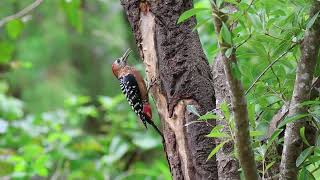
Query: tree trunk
point(173, 56)
point(309, 53)
point(238, 101)
point(228, 165)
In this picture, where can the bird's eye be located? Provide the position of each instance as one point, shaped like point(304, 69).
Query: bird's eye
point(118, 61)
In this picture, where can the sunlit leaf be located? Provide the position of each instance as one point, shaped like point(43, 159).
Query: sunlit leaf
point(187, 14)
point(256, 133)
point(312, 20)
point(209, 116)
point(216, 149)
point(225, 109)
point(14, 28)
point(304, 174)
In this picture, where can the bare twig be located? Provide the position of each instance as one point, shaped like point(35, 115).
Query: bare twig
point(268, 67)
point(21, 13)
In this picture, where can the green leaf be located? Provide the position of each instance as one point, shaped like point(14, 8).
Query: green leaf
point(228, 52)
point(226, 34)
point(201, 23)
point(14, 28)
point(273, 137)
point(270, 165)
point(215, 132)
point(256, 133)
point(302, 134)
point(6, 50)
point(191, 12)
point(216, 149)
point(193, 110)
point(74, 13)
point(304, 174)
point(209, 116)
point(291, 119)
point(225, 109)
point(304, 155)
point(312, 20)
point(307, 103)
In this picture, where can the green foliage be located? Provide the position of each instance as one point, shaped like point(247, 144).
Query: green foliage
point(61, 112)
point(262, 32)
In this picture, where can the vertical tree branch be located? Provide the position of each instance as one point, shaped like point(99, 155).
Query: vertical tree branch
point(172, 54)
point(309, 53)
point(228, 166)
point(238, 103)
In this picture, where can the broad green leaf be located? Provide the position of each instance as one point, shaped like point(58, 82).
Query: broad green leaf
point(191, 12)
point(193, 110)
point(216, 149)
point(304, 155)
point(291, 119)
point(312, 20)
point(225, 34)
point(312, 159)
point(14, 28)
point(201, 23)
point(304, 174)
point(216, 132)
point(209, 116)
point(302, 134)
point(256, 133)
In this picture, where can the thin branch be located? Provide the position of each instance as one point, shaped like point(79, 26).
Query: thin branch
point(274, 37)
point(21, 13)
point(268, 67)
point(245, 41)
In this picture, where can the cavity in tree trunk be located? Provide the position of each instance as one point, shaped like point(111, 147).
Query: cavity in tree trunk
point(174, 58)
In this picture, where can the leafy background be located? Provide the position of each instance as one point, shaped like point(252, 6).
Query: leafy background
point(62, 115)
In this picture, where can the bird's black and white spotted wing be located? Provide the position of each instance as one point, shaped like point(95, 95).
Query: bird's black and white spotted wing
point(130, 89)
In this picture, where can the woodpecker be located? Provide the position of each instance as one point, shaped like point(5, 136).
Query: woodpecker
point(134, 88)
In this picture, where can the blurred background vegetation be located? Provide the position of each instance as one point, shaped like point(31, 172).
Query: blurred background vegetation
point(62, 114)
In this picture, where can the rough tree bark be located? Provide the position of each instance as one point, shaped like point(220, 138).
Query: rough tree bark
point(174, 58)
point(227, 165)
point(309, 53)
point(283, 111)
point(238, 103)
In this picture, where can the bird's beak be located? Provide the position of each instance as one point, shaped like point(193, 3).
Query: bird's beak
point(126, 55)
